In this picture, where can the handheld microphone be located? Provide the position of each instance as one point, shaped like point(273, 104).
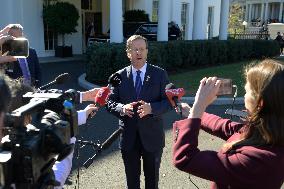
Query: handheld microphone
point(174, 95)
point(62, 78)
point(113, 81)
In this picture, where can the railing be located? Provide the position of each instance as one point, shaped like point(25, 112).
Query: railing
point(262, 35)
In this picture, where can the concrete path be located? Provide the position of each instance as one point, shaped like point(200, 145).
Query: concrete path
point(107, 171)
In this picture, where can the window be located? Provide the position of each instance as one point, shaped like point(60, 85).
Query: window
point(50, 37)
point(155, 10)
point(86, 4)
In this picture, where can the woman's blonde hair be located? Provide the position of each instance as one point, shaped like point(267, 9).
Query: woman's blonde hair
point(266, 121)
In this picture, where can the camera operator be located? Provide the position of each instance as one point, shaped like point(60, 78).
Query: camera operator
point(5, 97)
point(253, 155)
point(4, 37)
point(61, 168)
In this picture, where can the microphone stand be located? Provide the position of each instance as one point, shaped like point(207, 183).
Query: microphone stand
point(81, 144)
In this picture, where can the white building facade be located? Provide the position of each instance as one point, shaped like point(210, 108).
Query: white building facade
point(259, 12)
point(199, 19)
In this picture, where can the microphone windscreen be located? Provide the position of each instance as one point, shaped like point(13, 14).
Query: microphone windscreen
point(62, 78)
point(114, 80)
point(102, 95)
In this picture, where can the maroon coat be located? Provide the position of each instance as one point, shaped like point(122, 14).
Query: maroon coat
point(246, 167)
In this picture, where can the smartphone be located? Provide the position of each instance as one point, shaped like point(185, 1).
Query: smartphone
point(18, 47)
point(226, 87)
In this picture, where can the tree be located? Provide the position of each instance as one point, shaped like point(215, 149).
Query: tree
point(235, 19)
point(62, 17)
point(136, 16)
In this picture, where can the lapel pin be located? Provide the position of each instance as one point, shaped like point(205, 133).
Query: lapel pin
point(147, 78)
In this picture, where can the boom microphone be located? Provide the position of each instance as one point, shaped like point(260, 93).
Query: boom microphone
point(104, 146)
point(62, 78)
point(174, 95)
point(111, 139)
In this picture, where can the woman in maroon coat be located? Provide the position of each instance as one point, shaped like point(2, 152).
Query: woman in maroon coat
point(253, 156)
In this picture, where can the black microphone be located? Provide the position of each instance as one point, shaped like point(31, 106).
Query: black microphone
point(114, 80)
point(62, 78)
point(112, 138)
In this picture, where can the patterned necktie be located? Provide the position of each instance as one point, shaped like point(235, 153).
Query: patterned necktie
point(25, 70)
point(138, 83)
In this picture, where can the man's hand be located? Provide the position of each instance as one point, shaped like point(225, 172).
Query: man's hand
point(127, 109)
point(90, 95)
point(144, 109)
point(91, 110)
point(5, 30)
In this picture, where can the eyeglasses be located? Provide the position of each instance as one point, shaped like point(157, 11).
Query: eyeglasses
point(138, 50)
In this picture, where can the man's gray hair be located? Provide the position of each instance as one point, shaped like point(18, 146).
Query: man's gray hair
point(133, 38)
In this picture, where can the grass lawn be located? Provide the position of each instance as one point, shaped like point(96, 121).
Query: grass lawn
point(190, 80)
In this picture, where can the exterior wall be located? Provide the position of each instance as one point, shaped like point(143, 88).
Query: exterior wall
point(29, 14)
point(200, 21)
point(216, 17)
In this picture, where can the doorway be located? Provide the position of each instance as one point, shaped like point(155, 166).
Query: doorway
point(88, 18)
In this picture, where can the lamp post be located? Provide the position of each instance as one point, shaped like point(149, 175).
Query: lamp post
point(245, 25)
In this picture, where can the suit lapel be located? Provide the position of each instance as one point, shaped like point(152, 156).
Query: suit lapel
point(147, 80)
point(130, 84)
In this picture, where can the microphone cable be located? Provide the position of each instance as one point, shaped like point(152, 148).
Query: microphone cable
point(234, 99)
point(192, 181)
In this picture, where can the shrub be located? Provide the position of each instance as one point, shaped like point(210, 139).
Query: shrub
point(105, 59)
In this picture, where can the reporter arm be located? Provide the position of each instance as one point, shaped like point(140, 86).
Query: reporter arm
point(88, 95)
point(217, 126)
point(225, 168)
point(62, 168)
point(84, 114)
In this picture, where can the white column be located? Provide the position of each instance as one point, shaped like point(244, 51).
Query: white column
point(262, 11)
point(163, 19)
point(200, 20)
point(280, 12)
point(190, 22)
point(266, 12)
point(224, 17)
point(250, 12)
point(272, 11)
point(116, 30)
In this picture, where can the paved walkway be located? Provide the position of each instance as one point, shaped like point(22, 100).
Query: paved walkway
point(107, 170)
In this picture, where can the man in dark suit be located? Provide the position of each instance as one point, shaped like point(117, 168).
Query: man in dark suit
point(139, 103)
point(26, 68)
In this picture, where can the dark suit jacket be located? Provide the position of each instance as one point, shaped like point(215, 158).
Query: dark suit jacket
point(241, 168)
point(150, 127)
point(14, 70)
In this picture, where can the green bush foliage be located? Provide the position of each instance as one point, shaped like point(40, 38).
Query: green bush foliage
point(136, 16)
point(103, 59)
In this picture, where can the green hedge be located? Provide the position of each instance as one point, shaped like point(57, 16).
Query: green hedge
point(103, 59)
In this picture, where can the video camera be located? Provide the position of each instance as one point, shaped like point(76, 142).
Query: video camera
point(27, 157)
